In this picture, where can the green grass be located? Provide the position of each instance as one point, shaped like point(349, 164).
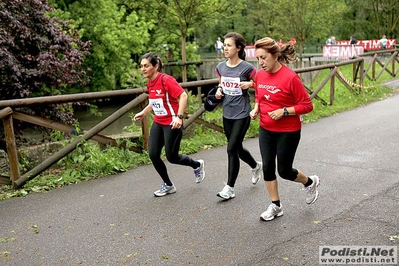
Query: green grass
point(90, 161)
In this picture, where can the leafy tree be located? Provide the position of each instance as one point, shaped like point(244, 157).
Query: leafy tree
point(307, 19)
point(386, 15)
point(260, 20)
point(118, 33)
point(181, 16)
point(371, 19)
point(39, 55)
point(356, 20)
point(368, 19)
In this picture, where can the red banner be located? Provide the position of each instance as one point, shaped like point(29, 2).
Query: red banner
point(342, 49)
point(371, 44)
point(250, 51)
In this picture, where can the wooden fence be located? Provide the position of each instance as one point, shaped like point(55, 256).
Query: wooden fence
point(355, 84)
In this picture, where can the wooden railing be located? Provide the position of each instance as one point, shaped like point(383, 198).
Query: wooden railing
point(7, 113)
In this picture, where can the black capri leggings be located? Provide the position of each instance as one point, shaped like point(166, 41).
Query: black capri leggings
point(282, 145)
point(235, 130)
point(160, 136)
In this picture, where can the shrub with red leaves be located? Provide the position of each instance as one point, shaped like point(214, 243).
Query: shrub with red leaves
point(39, 56)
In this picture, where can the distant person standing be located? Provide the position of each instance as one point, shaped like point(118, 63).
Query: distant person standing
point(219, 47)
point(383, 42)
point(352, 40)
point(331, 40)
point(168, 100)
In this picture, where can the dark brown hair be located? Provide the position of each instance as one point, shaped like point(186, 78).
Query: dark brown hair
point(239, 41)
point(154, 60)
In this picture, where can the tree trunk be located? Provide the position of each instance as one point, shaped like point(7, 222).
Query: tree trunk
point(183, 59)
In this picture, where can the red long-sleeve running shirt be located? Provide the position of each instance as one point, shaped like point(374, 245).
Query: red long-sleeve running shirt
point(278, 90)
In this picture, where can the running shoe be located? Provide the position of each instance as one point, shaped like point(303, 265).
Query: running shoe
point(272, 212)
point(165, 189)
point(311, 191)
point(200, 172)
point(226, 193)
point(257, 173)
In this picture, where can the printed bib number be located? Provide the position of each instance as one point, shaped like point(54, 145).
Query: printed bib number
point(157, 107)
point(231, 86)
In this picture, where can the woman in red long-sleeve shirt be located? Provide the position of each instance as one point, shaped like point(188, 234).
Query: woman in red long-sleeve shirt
point(280, 101)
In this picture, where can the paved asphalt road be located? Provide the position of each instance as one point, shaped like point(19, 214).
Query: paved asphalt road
point(116, 220)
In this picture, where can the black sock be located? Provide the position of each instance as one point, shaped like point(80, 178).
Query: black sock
point(277, 202)
point(310, 181)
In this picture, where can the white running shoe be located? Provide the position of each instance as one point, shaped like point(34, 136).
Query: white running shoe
point(257, 173)
point(200, 172)
point(165, 189)
point(227, 193)
point(272, 212)
point(311, 191)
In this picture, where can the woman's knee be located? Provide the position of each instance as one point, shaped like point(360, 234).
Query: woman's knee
point(233, 148)
point(288, 174)
point(171, 158)
point(153, 156)
point(270, 177)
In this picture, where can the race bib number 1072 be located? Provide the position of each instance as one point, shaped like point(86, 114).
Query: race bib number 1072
point(231, 86)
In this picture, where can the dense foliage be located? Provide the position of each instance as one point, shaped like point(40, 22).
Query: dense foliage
point(37, 51)
point(122, 30)
point(119, 35)
point(39, 55)
point(182, 30)
point(45, 50)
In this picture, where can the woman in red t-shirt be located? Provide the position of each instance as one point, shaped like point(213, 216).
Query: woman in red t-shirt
point(168, 100)
point(280, 100)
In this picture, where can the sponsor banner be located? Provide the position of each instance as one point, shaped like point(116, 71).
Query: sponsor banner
point(363, 255)
point(250, 51)
point(345, 52)
point(342, 51)
point(371, 44)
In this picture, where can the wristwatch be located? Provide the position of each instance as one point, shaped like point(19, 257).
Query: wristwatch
point(285, 112)
point(180, 116)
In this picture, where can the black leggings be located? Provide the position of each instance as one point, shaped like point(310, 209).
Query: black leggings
point(282, 145)
point(235, 130)
point(161, 136)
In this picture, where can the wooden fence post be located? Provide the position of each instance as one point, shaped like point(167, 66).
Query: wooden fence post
point(332, 89)
point(361, 74)
point(199, 91)
point(11, 146)
point(144, 126)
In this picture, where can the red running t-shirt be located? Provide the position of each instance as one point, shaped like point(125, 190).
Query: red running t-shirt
point(163, 93)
